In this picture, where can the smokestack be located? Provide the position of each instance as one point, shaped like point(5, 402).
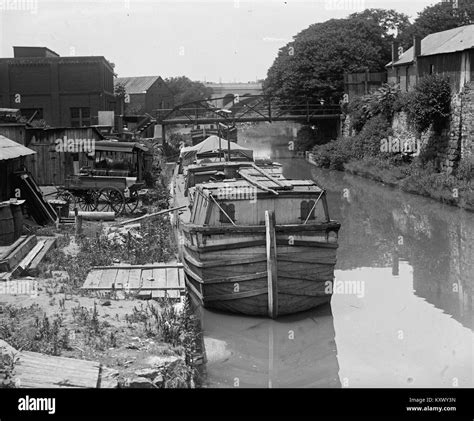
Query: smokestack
point(416, 47)
point(395, 56)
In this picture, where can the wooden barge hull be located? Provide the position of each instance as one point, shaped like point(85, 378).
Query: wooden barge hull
point(230, 272)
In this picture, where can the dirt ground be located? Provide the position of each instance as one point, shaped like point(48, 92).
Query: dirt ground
point(120, 331)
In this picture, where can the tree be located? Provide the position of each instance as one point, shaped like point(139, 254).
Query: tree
point(392, 22)
point(185, 90)
point(438, 18)
point(314, 64)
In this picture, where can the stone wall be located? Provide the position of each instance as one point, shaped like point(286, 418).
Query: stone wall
point(454, 143)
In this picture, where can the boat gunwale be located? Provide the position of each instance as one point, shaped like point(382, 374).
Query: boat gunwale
point(195, 228)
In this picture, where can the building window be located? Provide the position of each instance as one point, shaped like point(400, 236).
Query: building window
point(80, 117)
point(432, 69)
point(306, 208)
point(398, 76)
point(30, 112)
point(229, 210)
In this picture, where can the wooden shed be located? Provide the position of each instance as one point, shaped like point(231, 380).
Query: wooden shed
point(50, 166)
point(12, 158)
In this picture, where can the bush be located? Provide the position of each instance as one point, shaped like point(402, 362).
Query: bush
point(465, 169)
point(429, 103)
point(333, 155)
point(369, 139)
point(306, 138)
point(381, 103)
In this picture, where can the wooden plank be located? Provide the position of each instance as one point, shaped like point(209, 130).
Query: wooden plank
point(172, 278)
point(271, 265)
point(161, 266)
point(159, 275)
point(134, 279)
point(148, 216)
point(93, 279)
point(38, 370)
point(146, 282)
point(6, 250)
point(20, 268)
point(33, 269)
point(108, 279)
point(121, 280)
point(17, 255)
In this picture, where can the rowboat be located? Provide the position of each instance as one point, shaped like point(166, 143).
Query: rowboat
point(253, 242)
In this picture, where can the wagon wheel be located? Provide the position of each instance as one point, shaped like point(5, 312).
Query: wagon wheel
point(87, 201)
point(67, 197)
point(131, 203)
point(110, 199)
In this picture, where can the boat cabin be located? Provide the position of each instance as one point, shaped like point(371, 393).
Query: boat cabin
point(241, 203)
point(217, 171)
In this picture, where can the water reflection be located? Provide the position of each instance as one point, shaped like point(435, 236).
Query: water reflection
point(294, 351)
point(413, 325)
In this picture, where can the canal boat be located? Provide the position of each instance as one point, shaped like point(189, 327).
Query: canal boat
point(256, 244)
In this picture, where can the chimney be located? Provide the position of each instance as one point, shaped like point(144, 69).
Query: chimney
point(416, 47)
point(395, 56)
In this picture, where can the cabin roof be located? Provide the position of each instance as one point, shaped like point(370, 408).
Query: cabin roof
point(445, 42)
point(136, 84)
point(11, 150)
point(297, 187)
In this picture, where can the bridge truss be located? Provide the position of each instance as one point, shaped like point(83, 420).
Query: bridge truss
point(251, 108)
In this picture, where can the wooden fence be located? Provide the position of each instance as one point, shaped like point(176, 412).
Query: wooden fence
point(358, 84)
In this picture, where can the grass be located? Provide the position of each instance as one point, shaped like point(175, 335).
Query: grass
point(29, 329)
point(87, 330)
point(7, 371)
point(416, 179)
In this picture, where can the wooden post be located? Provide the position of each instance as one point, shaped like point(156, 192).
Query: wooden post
point(271, 357)
point(163, 134)
point(395, 263)
point(271, 265)
point(78, 220)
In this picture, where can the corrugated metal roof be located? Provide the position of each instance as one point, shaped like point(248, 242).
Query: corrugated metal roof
point(11, 150)
point(457, 39)
point(136, 85)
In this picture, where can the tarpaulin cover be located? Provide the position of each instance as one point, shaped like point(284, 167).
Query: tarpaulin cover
point(210, 146)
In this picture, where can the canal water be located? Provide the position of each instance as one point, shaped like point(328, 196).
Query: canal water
point(403, 314)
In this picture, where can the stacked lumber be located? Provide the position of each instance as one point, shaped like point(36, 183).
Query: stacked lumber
point(24, 256)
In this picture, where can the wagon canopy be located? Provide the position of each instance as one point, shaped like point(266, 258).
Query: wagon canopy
point(210, 146)
point(113, 146)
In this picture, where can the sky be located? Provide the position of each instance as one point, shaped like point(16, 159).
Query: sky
point(213, 41)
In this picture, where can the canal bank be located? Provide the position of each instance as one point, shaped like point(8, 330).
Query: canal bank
point(405, 321)
point(441, 188)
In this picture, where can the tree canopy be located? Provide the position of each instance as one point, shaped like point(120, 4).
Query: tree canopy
point(185, 90)
point(437, 18)
point(314, 63)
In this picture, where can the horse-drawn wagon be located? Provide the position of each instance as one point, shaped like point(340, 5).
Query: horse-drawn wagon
point(111, 179)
